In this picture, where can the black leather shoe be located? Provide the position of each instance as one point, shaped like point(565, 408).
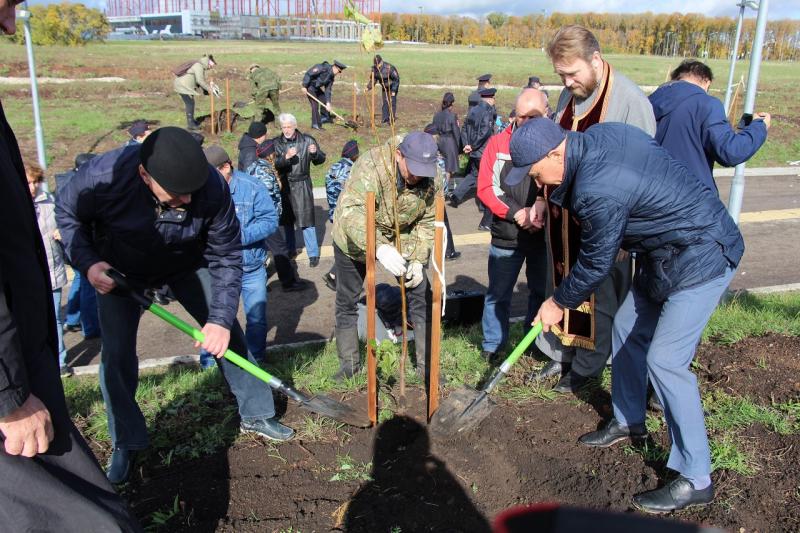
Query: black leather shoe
point(160, 299)
point(550, 370)
point(612, 433)
point(330, 281)
point(452, 256)
point(313, 262)
point(71, 327)
point(297, 285)
point(571, 382)
point(483, 227)
point(120, 465)
point(676, 495)
point(453, 202)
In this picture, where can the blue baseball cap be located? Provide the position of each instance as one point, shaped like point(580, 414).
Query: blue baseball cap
point(529, 144)
point(420, 150)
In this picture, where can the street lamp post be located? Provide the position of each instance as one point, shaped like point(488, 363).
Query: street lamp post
point(419, 22)
point(25, 16)
point(737, 185)
point(742, 5)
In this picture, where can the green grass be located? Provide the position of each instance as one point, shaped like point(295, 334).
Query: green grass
point(80, 116)
point(347, 469)
point(727, 455)
point(748, 315)
point(731, 412)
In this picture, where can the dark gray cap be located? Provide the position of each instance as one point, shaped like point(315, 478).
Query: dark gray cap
point(216, 155)
point(529, 144)
point(420, 150)
point(175, 160)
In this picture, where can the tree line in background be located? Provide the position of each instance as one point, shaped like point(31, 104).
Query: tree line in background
point(675, 34)
point(66, 24)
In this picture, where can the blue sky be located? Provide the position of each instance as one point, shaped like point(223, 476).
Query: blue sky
point(479, 8)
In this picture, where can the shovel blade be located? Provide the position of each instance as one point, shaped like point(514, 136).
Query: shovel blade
point(330, 408)
point(463, 410)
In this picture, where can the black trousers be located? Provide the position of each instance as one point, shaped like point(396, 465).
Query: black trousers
point(350, 276)
point(319, 114)
point(63, 489)
point(387, 97)
point(188, 103)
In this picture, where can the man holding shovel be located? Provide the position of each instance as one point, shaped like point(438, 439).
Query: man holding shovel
point(318, 87)
point(160, 214)
point(404, 176)
point(626, 192)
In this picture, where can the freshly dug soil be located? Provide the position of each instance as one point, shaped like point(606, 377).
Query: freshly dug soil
point(398, 477)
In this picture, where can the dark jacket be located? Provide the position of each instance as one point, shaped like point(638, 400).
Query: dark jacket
point(319, 81)
point(107, 213)
point(247, 152)
point(627, 192)
point(692, 126)
point(295, 176)
point(387, 77)
point(28, 342)
point(446, 124)
point(478, 128)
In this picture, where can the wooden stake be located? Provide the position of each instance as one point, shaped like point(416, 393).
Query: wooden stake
point(211, 95)
point(436, 308)
point(372, 105)
point(354, 101)
point(228, 103)
point(372, 364)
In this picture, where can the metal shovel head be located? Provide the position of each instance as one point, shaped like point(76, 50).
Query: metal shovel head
point(463, 410)
point(328, 407)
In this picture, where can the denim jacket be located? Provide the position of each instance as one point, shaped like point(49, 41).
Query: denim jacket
point(257, 218)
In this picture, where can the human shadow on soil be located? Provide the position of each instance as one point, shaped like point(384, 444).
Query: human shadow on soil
point(411, 489)
point(83, 352)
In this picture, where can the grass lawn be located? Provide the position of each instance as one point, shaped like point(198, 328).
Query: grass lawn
point(84, 116)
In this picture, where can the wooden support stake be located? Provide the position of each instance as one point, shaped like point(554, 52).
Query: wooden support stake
point(228, 103)
point(355, 117)
point(211, 95)
point(372, 363)
point(372, 105)
point(436, 308)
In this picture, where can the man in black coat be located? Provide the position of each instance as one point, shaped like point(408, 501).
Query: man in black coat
point(477, 130)
point(386, 75)
point(484, 82)
point(50, 480)
point(628, 194)
point(294, 153)
point(318, 83)
point(160, 214)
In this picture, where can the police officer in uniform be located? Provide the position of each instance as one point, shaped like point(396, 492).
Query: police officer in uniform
point(318, 82)
point(484, 82)
point(477, 130)
point(386, 75)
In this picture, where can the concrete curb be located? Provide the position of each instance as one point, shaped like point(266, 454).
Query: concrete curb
point(319, 192)
point(194, 359)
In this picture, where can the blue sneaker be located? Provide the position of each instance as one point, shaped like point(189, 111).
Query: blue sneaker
point(267, 427)
point(120, 465)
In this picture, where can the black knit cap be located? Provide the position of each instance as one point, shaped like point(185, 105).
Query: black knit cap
point(257, 129)
point(175, 160)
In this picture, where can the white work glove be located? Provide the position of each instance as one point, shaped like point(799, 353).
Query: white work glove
point(391, 259)
point(413, 274)
point(215, 90)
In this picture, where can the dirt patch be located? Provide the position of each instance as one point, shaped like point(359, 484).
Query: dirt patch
point(398, 477)
point(761, 367)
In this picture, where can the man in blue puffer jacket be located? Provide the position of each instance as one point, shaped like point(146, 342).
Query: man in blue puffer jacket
point(627, 192)
point(160, 214)
point(692, 126)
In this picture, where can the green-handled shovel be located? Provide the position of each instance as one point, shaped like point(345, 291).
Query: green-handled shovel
point(321, 405)
point(466, 407)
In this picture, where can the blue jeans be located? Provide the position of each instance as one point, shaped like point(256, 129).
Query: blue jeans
point(309, 239)
point(62, 350)
point(254, 300)
point(658, 340)
point(119, 365)
point(504, 267)
point(81, 306)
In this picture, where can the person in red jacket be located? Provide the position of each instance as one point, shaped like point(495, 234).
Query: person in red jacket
point(516, 229)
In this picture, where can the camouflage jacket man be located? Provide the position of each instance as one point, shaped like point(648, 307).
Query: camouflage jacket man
point(377, 171)
point(262, 81)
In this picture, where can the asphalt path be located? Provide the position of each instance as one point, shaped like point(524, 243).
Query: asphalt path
point(770, 222)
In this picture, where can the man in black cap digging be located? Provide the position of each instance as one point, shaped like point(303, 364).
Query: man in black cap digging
point(405, 173)
point(160, 214)
point(318, 82)
point(628, 193)
point(484, 82)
